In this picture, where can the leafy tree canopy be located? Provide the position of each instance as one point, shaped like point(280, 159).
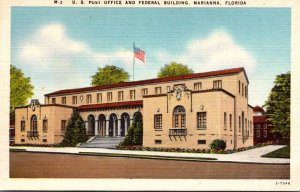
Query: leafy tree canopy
point(135, 132)
point(278, 105)
point(75, 131)
point(20, 88)
point(109, 74)
point(174, 69)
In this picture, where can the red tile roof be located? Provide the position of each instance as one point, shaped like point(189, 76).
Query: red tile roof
point(112, 105)
point(258, 109)
point(259, 119)
point(150, 81)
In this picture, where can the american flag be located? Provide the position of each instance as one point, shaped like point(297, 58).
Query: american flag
point(138, 53)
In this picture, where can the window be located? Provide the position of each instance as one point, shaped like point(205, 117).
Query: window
point(257, 125)
point(217, 84)
point(246, 91)
point(144, 91)
point(34, 125)
point(157, 90)
point(257, 133)
point(265, 125)
point(201, 142)
point(239, 86)
point(230, 122)
point(157, 141)
point(250, 127)
point(158, 121)
point(168, 88)
point(22, 126)
point(201, 120)
point(53, 100)
point(99, 97)
point(242, 89)
point(265, 133)
point(197, 86)
point(63, 125)
point(239, 123)
point(89, 98)
point(120, 96)
point(74, 100)
point(63, 100)
point(22, 140)
point(132, 94)
point(109, 96)
point(225, 121)
point(44, 140)
point(179, 117)
point(45, 126)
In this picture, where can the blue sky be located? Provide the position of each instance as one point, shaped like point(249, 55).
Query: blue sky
point(61, 48)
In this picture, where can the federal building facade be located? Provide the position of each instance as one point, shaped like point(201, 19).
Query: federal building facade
point(188, 111)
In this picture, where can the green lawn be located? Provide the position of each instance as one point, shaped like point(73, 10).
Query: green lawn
point(279, 153)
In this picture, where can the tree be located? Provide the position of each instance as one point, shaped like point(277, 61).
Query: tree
point(109, 74)
point(278, 105)
point(135, 132)
point(174, 69)
point(20, 89)
point(75, 131)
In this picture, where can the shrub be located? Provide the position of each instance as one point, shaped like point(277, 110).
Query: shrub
point(218, 144)
point(135, 132)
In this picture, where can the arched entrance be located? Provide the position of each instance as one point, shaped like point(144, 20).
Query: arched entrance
point(138, 114)
point(113, 125)
point(179, 117)
point(125, 122)
point(102, 125)
point(91, 125)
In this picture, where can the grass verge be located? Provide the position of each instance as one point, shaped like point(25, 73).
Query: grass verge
point(147, 156)
point(17, 150)
point(279, 153)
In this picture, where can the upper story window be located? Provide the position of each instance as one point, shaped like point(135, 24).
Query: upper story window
point(34, 125)
point(225, 120)
point(179, 117)
point(74, 100)
point(168, 88)
point(89, 98)
point(109, 96)
point(197, 86)
point(157, 90)
point(242, 89)
point(239, 123)
point(246, 91)
point(132, 94)
point(45, 126)
point(217, 84)
point(99, 97)
point(63, 100)
point(201, 120)
point(22, 126)
point(158, 121)
point(53, 100)
point(265, 133)
point(120, 96)
point(257, 125)
point(144, 91)
point(239, 87)
point(257, 133)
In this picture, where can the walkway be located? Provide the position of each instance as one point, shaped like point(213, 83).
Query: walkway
point(249, 156)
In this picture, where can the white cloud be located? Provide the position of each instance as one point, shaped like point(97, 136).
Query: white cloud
point(218, 50)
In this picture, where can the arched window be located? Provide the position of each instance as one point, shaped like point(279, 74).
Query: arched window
point(34, 125)
point(91, 125)
point(179, 117)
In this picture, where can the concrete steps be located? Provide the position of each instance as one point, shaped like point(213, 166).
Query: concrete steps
point(103, 142)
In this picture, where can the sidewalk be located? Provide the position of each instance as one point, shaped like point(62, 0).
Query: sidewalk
point(249, 156)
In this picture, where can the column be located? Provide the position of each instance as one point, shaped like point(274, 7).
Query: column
point(114, 127)
point(96, 127)
point(125, 128)
point(86, 126)
point(106, 128)
point(119, 128)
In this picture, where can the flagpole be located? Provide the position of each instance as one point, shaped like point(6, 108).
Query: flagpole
point(133, 62)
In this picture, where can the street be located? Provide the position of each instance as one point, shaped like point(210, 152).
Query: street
point(43, 165)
